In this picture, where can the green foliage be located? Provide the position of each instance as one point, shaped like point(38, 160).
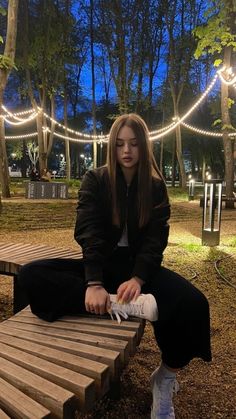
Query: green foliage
point(230, 102)
point(228, 126)
point(6, 62)
point(218, 62)
point(217, 122)
point(1, 39)
point(215, 34)
point(193, 248)
point(2, 11)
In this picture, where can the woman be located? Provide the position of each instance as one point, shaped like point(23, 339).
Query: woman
point(122, 228)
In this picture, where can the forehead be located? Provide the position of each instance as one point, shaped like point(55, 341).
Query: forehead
point(125, 133)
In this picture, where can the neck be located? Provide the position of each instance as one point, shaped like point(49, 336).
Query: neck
point(129, 174)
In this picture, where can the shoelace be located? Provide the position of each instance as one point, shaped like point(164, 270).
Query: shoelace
point(121, 310)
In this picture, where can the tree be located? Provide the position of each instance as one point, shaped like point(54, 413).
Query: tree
point(218, 38)
point(6, 65)
point(180, 17)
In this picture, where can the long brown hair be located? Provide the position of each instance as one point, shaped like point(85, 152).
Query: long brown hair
point(147, 167)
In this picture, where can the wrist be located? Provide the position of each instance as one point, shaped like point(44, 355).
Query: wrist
point(95, 284)
point(140, 281)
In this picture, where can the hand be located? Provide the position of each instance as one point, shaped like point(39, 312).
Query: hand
point(97, 300)
point(129, 290)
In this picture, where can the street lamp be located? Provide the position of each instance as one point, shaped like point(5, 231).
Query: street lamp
point(211, 213)
point(191, 187)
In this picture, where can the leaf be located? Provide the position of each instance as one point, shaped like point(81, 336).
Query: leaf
point(216, 122)
point(6, 62)
point(230, 102)
point(217, 62)
point(2, 11)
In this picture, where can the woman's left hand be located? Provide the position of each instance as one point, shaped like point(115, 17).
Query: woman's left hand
point(129, 290)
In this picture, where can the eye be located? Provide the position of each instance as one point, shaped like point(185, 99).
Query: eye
point(119, 143)
point(134, 143)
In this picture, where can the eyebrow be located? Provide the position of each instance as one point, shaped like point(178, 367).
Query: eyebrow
point(129, 139)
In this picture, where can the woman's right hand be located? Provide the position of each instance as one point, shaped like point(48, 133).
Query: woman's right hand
point(97, 300)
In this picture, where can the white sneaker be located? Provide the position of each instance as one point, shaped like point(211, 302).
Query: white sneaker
point(145, 307)
point(163, 388)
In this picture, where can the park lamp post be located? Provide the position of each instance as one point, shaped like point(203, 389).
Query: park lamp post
point(212, 203)
point(191, 187)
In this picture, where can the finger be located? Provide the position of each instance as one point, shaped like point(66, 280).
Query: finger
point(108, 304)
point(127, 295)
point(136, 295)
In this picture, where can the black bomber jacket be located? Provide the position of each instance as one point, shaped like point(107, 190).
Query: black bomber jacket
point(97, 235)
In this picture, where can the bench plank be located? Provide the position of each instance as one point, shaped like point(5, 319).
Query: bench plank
point(80, 385)
point(107, 332)
point(15, 255)
point(59, 401)
point(96, 370)
point(106, 356)
point(18, 405)
point(45, 328)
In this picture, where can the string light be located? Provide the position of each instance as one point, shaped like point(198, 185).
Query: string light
point(16, 114)
point(21, 137)
point(78, 133)
point(76, 140)
point(230, 75)
point(154, 135)
point(21, 121)
point(208, 133)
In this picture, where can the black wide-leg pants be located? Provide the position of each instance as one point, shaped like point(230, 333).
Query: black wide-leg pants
point(56, 287)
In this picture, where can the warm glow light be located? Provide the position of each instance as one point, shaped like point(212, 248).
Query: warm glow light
point(21, 137)
point(154, 135)
point(204, 132)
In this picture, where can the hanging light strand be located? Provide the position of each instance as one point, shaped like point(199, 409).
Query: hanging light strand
point(21, 137)
point(154, 135)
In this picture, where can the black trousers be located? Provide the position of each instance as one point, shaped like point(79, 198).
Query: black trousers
point(55, 287)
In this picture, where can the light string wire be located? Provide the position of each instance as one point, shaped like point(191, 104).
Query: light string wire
point(154, 135)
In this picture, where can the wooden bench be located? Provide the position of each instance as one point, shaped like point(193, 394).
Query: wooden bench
point(55, 369)
point(14, 255)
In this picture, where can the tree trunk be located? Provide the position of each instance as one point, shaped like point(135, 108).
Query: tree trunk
point(9, 52)
point(228, 143)
point(67, 142)
point(93, 85)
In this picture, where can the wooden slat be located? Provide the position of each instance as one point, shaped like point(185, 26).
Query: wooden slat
point(96, 370)
point(106, 332)
point(15, 255)
point(83, 387)
point(3, 415)
point(49, 330)
point(135, 324)
point(106, 356)
point(18, 405)
point(59, 401)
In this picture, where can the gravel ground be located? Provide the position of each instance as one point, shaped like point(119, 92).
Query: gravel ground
point(207, 391)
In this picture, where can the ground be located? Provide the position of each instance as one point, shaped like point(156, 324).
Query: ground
point(207, 390)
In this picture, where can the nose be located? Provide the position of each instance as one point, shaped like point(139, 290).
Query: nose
point(126, 147)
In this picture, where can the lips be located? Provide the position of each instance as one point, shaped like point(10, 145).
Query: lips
point(127, 159)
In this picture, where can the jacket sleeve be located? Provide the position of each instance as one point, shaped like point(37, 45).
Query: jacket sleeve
point(90, 228)
point(155, 237)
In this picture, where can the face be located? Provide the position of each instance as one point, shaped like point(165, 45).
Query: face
point(127, 151)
